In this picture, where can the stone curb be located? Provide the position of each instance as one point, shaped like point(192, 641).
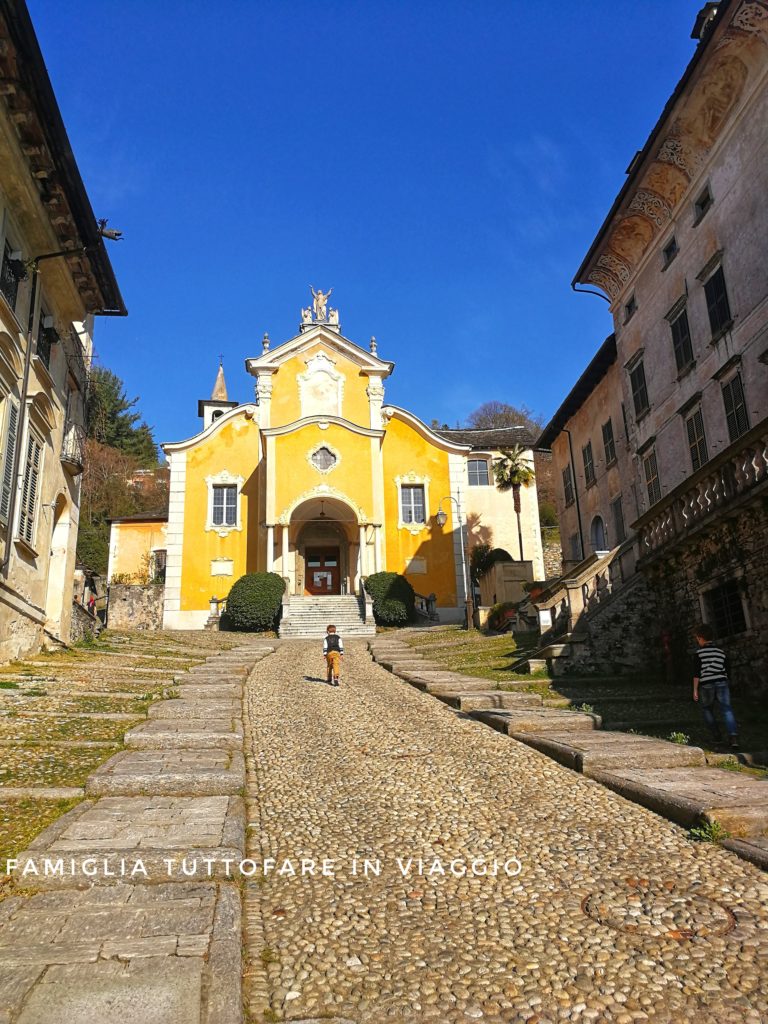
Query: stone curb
point(40, 792)
point(553, 741)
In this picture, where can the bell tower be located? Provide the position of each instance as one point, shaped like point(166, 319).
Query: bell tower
point(210, 409)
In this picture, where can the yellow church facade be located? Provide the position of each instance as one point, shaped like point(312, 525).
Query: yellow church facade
point(321, 482)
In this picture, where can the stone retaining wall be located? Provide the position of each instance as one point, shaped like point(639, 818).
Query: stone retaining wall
point(83, 623)
point(136, 607)
point(732, 549)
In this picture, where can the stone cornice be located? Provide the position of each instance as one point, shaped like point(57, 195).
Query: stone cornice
point(248, 411)
point(270, 361)
point(323, 422)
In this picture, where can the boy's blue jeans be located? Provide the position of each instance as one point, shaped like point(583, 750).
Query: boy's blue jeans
point(717, 693)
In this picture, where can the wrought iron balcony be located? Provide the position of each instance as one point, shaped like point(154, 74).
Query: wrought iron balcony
point(73, 352)
point(73, 448)
point(719, 485)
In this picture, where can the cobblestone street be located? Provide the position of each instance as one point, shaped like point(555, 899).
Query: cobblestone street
point(615, 916)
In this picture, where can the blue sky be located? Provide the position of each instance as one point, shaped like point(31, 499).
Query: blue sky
point(443, 166)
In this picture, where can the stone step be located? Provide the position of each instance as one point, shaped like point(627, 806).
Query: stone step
point(192, 734)
point(481, 700)
point(587, 751)
point(169, 773)
point(688, 795)
point(190, 709)
point(519, 723)
point(213, 691)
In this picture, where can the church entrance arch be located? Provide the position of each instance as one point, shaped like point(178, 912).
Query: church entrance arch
point(324, 535)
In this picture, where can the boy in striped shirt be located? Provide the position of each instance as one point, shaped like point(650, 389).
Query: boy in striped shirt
point(710, 685)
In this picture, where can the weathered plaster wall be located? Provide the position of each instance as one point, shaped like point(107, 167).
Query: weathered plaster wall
point(136, 607)
point(612, 479)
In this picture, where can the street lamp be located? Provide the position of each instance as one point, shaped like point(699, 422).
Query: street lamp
point(441, 517)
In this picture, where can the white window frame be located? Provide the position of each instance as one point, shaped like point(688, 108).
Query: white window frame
point(737, 576)
point(224, 479)
point(315, 449)
point(490, 480)
point(412, 480)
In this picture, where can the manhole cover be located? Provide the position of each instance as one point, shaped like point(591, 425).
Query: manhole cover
point(660, 910)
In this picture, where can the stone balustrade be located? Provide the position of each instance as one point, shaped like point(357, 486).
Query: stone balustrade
point(733, 474)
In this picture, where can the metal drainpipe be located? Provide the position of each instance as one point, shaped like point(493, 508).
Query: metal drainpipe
point(565, 430)
point(20, 430)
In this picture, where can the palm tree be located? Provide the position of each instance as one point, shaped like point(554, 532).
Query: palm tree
point(512, 472)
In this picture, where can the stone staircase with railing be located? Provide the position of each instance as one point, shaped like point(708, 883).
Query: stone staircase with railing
point(568, 607)
point(308, 617)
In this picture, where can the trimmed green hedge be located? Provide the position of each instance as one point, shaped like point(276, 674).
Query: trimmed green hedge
point(394, 599)
point(254, 602)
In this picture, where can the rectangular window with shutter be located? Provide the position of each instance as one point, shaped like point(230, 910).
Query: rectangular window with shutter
point(589, 464)
point(608, 443)
point(735, 407)
point(681, 341)
point(620, 530)
point(718, 306)
point(225, 505)
point(7, 452)
point(652, 478)
point(30, 490)
point(697, 442)
point(639, 390)
point(568, 485)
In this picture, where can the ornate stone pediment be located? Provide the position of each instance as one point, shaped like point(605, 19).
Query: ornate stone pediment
point(321, 387)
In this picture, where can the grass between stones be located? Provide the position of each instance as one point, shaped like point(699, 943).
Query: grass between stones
point(474, 653)
point(20, 822)
point(36, 766)
point(44, 726)
point(635, 703)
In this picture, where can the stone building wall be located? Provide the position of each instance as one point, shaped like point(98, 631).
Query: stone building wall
point(732, 548)
point(553, 553)
point(136, 607)
point(623, 635)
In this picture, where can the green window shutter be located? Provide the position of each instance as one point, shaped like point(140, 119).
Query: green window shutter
point(10, 451)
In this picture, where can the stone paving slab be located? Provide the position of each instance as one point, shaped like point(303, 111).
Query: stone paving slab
point(211, 691)
point(686, 795)
point(213, 675)
point(521, 722)
point(122, 954)
point(169, 734)
point(115, 834)
point(208, 709)
point(482, 700)
point(174, 773)
point(586, 751)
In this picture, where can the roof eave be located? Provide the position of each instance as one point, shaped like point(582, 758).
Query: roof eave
point(640, 159)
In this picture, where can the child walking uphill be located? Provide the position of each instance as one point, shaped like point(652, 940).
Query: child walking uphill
point(710, 685)
point(333, 649)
